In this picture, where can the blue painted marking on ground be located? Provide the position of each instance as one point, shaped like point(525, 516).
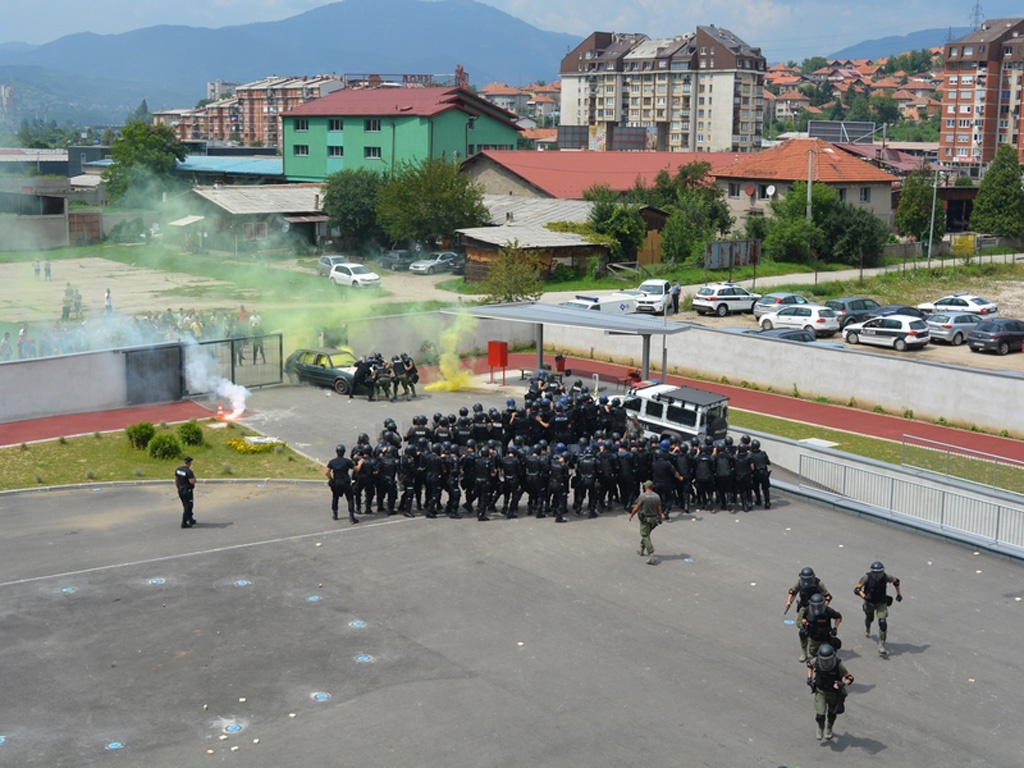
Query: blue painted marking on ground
point(242, 583)
point(788, 621)
point(115, 745)
point(362, 658)
point(687, 559)
point(233, 728)
point(321, 696)
point(313, 598)
point(157, 580)
point(68, 590)
point(357, 624)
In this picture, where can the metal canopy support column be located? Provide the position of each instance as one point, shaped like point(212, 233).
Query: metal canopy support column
point(645, 359)
point(540, 346)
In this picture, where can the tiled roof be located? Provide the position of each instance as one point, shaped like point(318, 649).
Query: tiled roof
point(541, 134)
point(793, 96)
point(567, 174)
point(788, 162)
point(787, 80)
point(379, 102)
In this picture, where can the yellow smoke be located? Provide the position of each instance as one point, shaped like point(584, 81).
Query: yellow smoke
point(454, 376)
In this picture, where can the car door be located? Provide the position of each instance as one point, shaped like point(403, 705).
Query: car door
point(787, 317)
point(870, 332)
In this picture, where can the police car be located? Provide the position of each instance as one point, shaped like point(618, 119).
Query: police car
point(663, 410)
point(723, 298)
point(615, 304)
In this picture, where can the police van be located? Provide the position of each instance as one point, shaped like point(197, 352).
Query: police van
point(664, 409)
point(615, 304)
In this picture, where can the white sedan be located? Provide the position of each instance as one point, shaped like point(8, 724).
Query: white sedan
point(821, 321)
point(354, 276)
point(961, 302)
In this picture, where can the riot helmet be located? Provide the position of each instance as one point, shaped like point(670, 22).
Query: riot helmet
point(816, 605)
point(826, 657)
point(340, 449)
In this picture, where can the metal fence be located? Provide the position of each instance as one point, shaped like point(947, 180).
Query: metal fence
point(989, 522)
point(253, 362)
point(984, 469)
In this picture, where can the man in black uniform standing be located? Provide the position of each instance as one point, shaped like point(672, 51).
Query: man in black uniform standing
point(762, 474)
point(362, 377)
point(340, 482)
point(185, 481)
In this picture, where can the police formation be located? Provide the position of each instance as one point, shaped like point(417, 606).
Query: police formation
point(382, 378)
point(818, 629)
point(559, 447)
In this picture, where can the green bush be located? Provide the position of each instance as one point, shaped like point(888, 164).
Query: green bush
point(562, 274)
point(164, 446)
point(140, 434)
point(191, 433)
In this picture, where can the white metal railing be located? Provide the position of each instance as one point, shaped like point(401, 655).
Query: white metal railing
point(989, 522)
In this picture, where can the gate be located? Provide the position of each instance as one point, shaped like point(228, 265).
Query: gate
point(154, 374)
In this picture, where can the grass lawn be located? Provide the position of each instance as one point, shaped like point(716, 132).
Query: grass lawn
point(106, 457)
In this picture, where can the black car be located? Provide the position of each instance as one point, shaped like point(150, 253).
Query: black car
point(852, 309)
point(325, 367)
point(897, 309)
point(998, 334)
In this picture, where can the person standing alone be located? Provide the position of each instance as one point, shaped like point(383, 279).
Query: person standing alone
point(648, 506)
point(108, 302)
point(185, 481)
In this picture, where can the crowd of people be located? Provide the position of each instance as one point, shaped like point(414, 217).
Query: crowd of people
point(382, 377)
point(532, 456)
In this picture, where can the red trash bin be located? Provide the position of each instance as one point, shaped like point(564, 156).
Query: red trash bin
point(560, 363)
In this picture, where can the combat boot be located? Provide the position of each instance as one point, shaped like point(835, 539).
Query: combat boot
point(828, 731)
point(881, 648)
point(821, 731)
point(867, 629)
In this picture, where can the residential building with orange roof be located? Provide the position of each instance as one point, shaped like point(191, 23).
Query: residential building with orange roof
point(508, 98)
point(699, 91)
point(981, 97)
point(754, 181)
point(567, 174)
point(789, 104)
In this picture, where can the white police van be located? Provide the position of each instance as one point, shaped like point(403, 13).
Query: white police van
point(615, 304)
point(664, 409)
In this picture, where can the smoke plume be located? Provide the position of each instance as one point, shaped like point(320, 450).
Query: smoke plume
point(201, 376)
point(454, 376)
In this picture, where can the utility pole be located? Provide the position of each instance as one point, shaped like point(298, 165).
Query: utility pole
point(931, 231)
point(810, 182)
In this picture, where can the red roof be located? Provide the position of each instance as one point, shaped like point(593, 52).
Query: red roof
point(788, 162)
point(566, 174)
point(380, 102)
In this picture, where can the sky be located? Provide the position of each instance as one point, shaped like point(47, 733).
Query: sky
point(784, 29)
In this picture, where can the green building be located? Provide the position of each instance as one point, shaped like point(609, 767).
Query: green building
point(377, 128)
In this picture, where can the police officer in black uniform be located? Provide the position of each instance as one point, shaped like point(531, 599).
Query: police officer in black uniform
point(558, 483)
point(452, 465)
point(762, 474)
point(808, 584)
point(433, 477)
point(821, 624)
point(362, 377)
point(587, 469)
point(340, 482)
point(407, 471)
point(185, 482)
point(511, 482)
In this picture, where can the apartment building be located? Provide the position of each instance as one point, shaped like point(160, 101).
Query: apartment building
point(981, 95)
point(697, 92)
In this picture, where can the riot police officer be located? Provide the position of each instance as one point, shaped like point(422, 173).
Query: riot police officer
point(827, 677)
point(340, 482)
point(558, 483)
point(808, 584)
point(511, 482)
point(587, 469)
point(872, 589)
point(762, 474)
point(433, 473)
point(820, 624)
point(407, 471)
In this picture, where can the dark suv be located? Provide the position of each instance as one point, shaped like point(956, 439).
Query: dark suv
point(852, 309)
point(398, 260)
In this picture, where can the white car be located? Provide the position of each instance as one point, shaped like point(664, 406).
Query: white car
point(654, 297)
point(961, 302)
point(442, 261)
point(615, 304)
point(896, 331)
point(722, 298)
point(354, 275)
point(822, 321)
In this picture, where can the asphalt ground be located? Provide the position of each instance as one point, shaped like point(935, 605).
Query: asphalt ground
point(273, 631)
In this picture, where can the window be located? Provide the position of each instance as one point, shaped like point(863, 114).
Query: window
point(952, 79)
point(842, 194)
point(951, 123)
point(335, 124)
point(372, 125)
point(965, 109)
point(965, 94)
point(865, 194)
point(301, 150)
point(965, 123)
point(301, 125)
point(734, 189)
point(968, 50)
point(372, 153)
point(335, 151)
point(762, 192)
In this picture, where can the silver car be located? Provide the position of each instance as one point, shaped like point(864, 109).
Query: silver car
point(773, 302)
point(952, 327)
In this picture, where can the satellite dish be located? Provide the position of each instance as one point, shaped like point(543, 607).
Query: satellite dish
point(750, 190)
point(771, 190)
point(285, 226)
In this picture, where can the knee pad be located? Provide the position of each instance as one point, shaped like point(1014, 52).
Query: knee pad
point(820, 719)
point(883, 624)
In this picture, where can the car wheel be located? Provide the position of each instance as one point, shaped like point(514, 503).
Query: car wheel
point(1003, 348)
point(958, 339)
point(722, 310)
point(899, 345)
point(810, 328)
point(341, 386)
point(431, 270)
point(852, 337)
point(975, 349)
point(766, 325)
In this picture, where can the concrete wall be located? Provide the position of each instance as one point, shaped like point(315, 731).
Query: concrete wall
point(33, 233)
point(406, 333)
point(94, 381)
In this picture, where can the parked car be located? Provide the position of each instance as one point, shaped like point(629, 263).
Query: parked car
point(897, 331)
point(852, 309)
point(459, 265)
point(327, 262)
point(997, 334)
point(961, 302)
point(722, 298)
point(822, 321)
point(324, 367)
point(773, 302)
point(398, 260)
point(613, 304)
point(440, 261)
point(952, 327)
point(793, 334)
point(653, 297)
point(354, 275)
point(897, 309)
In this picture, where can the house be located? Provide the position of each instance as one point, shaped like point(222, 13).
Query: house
point(380, 128)
point(508, 98)
point(553, 249)
point(567, 174)
point(789, 104)
point(754, 181)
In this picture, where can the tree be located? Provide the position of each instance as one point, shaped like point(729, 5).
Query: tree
point(620, 220)
point(999, 207)
point(854, 235)
point(144, 159)
point(914, 213)
point(513, 276)
point(350, 202)
point(428, 201)
point(141, 114)
point(813, 64)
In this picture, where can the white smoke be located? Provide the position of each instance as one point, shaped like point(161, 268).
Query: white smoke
point(201, 376)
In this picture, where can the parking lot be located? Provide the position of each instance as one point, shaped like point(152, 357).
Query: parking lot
point(271, 634)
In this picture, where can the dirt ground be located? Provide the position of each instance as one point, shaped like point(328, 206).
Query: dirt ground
point(137, 290)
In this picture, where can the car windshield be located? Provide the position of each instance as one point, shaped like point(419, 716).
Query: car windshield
point(917, 325)
point(360, 271)
point(653, 289)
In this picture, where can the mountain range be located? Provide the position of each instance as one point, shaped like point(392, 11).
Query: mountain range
point(94, 79)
